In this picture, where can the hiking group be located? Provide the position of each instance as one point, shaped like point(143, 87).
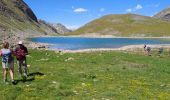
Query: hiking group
point(147, 50)
point(8, 54)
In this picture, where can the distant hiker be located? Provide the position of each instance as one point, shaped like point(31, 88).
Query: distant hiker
point(7, 62)
point(20, 53)
point(160, 51)
point(148, 49)
point(144, 48)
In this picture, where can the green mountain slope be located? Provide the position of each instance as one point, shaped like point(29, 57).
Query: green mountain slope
point(125, 25)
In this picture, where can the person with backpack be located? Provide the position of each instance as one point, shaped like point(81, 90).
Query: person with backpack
point(144, 48)
point(7, 62)
point(160, 51)
point(20, 53)
point(148, 49)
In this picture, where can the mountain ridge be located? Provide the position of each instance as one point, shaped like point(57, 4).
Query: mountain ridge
point(132, 25)
point(164, 14)
point(18, 21)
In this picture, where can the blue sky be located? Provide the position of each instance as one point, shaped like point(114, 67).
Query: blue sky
point(75, 13)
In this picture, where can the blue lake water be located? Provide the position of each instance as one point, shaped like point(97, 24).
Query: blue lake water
point(76, 43)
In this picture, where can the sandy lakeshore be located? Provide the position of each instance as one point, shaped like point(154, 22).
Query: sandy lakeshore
point(124, 48)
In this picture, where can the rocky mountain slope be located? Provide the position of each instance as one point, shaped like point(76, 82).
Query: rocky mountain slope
point(16, 9)
point(18, 21)
point(164, 14)
point(54, 28)
point(61, 28)
point(125, 25)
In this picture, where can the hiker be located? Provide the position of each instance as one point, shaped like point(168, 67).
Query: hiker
point(7, 62)
point(148, 49)
point(160, 51)
point(20, 53)
point(144, 48)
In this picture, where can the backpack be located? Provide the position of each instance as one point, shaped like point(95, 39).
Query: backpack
point(148, 49)
point(161, 50)
point(20, 53)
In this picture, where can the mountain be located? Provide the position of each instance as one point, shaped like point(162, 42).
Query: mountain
point(16, 9)
point(18, 21)
point(61, 28)
point(53, 28)
point(164, 14)
point(48, 27)
point(125, 25)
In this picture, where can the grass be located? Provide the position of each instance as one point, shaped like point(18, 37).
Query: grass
point(125, 25)
point(92, 76)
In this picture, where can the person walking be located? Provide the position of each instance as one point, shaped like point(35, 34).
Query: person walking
point(160, 51)
point(148, 49)
point(20, 53)
point(7, 62)
point(144, 48)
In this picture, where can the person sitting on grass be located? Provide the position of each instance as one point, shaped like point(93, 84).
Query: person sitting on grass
point(7, 62)
point(20, 53)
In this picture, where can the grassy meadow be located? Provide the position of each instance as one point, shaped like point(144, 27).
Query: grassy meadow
point(110, 75)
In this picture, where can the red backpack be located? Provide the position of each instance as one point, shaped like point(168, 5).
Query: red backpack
point(20, 54)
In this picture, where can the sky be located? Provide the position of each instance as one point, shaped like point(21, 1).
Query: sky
point(76, 13)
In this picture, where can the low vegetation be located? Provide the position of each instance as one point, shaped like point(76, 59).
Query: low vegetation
point(91, 76)
point(126, 25)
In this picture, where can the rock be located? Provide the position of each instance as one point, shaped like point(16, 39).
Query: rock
point(69, 59)
point(43, 59)
point(41, 47)
point(83, 84)
point(54, 82)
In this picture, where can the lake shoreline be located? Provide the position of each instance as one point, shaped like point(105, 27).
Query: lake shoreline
point(123, 48)
point(104, 36)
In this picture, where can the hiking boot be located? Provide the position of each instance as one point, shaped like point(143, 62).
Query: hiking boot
point(14, 82)
point(24, 77)
point(6, 81)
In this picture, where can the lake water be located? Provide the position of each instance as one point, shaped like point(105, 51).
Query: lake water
point(76, 43)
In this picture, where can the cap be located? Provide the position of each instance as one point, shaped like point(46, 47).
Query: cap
point(20, 42)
